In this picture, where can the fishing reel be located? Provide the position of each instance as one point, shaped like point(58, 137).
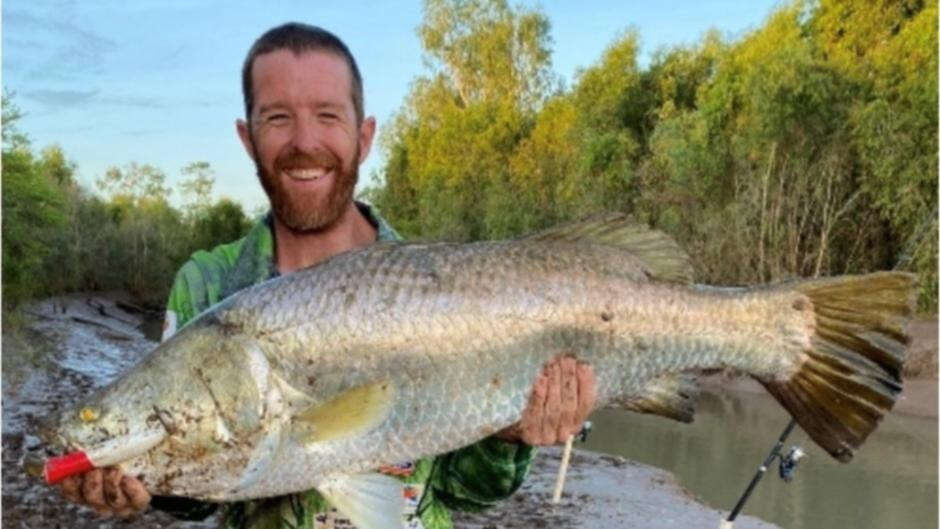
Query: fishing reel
point(788, 463)
point(585, 430)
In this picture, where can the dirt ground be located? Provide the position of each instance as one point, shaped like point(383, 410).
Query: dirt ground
point(81, 342)
point(601, 491)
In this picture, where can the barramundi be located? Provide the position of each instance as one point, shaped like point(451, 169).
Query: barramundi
point(397, 351)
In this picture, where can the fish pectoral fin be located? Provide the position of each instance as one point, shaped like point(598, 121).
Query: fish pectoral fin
point(672, 395)
point(370, 501)
point(352, 412)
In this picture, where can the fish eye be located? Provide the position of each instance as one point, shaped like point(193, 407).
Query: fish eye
point(88, 414)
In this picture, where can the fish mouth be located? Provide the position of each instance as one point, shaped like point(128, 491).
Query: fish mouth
point(52, 444)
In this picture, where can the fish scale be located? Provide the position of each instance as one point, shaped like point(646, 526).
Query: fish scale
point(400, 351)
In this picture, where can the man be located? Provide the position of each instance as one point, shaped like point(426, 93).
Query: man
point(306, 132)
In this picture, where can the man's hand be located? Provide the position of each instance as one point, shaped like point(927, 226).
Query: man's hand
point(561, 399)
point(108, 491)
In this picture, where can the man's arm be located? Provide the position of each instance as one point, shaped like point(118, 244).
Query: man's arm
point(477, 476)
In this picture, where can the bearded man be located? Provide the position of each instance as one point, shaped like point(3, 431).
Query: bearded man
point(307, 134)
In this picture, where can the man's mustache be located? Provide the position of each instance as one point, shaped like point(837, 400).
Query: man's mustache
point(296, 159)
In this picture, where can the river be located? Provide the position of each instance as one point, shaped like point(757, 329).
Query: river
point(891, 482)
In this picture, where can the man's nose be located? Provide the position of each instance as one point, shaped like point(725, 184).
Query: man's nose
point(308, 135)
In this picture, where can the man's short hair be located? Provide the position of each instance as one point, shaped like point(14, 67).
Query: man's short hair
point(299, 38)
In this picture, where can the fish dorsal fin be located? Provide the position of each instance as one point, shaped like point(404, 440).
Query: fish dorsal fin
point(660, 255)
point(352, 412)
point(672, 395)
point(370, 501)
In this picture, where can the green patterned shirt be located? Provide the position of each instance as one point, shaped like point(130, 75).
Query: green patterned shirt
point(471, 478)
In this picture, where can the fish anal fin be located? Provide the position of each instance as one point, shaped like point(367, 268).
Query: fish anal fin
point(659, 254)
point(351, 413)
point(673, 395)
point(370, 501)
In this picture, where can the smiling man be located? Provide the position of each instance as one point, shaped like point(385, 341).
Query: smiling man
point(307, 133)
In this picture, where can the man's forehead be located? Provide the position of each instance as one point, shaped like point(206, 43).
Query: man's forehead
point(310, 60)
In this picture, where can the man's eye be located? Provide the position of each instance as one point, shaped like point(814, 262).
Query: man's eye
point(327, 116)
point(277, 118)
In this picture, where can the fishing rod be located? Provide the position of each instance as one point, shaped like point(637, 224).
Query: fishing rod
point(787, 468)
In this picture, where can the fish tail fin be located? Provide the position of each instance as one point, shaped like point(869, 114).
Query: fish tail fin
point(851, 374)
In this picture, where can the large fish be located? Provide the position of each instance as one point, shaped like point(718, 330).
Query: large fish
point(404, 350)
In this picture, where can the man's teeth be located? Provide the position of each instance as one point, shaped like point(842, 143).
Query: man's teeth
point(306, 174)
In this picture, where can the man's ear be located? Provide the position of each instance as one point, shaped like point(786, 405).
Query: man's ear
point(366, 135)
point(244, 133)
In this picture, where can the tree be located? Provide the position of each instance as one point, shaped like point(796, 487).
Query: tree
point(32, 212)
point(197, 187)
point(889, 48)
point(488, 51)
point(449, 148)
point(222, 222)
point(135, 182)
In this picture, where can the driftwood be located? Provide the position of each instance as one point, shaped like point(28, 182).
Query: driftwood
point(137, 309)
point(100, 307)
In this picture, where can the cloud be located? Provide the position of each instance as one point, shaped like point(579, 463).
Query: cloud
point(141, 132)
point(62, 98)
point(66, 49)
point(131, 101)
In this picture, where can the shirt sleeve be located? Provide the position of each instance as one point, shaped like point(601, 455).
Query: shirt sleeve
point(482, 474)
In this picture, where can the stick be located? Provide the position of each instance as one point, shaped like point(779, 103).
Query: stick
point(560, 480)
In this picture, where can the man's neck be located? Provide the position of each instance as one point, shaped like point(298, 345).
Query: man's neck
point(295, 250)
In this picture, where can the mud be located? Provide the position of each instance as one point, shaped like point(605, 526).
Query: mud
point(85, 341)
point(601, 491)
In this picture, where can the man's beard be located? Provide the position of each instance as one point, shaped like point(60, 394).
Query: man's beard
point(303, 212)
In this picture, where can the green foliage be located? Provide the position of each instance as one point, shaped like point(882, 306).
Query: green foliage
point(58, 237)
point(450, 148)
point(197, 188)
point(135, 182)
point(807, 147)
point(31, 214)
point(13, 138)
point(219, 223)
point(32, 211)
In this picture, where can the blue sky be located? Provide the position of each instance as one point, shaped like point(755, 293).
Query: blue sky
point(158, 81)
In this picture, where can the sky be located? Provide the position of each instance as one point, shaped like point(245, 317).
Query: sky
point(158, 81)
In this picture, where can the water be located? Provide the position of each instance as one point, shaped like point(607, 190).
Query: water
point(891, 482)
point(152, 327)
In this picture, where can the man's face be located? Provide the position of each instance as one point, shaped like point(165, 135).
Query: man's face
point(303, 136)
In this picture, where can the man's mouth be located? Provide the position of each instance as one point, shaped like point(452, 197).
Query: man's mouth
point(307, 173)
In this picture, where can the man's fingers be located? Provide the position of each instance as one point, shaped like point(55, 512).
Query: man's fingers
point(569, 399)
point(136, 493)
point(587, 391)
point(113, 495)
point(551, 413)
point(531, 423)
point(93, 491)
point(71, 489)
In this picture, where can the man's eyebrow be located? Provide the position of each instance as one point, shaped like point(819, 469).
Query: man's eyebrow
point(327, 105)
point(268, 107)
